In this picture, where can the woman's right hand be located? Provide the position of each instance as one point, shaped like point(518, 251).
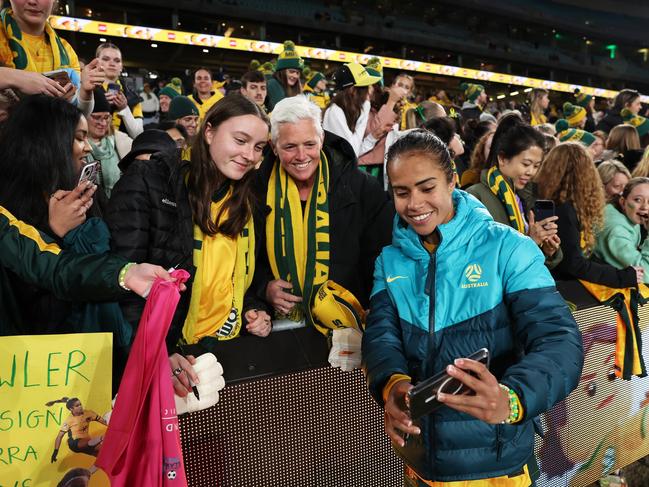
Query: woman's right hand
point(181, 372)
point(639, 273)
point(542, 230)
point(395, 414)
point(67, 209)
point(278, 297)
point(31, 83)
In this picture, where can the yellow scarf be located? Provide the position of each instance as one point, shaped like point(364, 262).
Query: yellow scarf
point(224, 271)
point(10, 30)
point(297, 242)
point(628, 345)
point(503, 191)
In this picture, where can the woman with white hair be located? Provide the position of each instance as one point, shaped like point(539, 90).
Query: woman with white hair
point(335, 218)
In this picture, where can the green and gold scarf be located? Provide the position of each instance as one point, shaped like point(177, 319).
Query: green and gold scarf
point(10, 30)
point(297, 242)
point(224, 272)
point(504, 192)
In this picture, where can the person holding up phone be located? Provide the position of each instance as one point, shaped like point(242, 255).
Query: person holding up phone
point(29, 45)
point(516, 155)
point(127, 105)
point(452, 282)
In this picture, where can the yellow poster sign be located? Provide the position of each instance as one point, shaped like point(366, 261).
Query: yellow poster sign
point(55, 393)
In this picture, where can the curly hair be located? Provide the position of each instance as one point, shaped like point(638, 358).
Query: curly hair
point(569, 175)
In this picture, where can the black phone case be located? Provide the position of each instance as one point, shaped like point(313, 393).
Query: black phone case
point(422, 398)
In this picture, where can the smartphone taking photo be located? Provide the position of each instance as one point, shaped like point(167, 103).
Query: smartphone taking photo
point(422, 398)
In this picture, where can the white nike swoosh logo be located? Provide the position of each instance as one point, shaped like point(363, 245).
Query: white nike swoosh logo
point(392, 279)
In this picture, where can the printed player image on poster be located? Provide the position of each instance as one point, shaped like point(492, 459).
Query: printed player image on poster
point(54, 408)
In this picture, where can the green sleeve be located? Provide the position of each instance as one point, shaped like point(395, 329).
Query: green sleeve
point(34, 257)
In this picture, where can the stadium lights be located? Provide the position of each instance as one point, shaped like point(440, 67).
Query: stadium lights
point(500, 97)
point(527, 90)
point(513, 93)
point(202, 39)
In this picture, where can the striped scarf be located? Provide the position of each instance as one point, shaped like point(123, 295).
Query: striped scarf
point(224, 271)
point(628, 345)
point(503, 191)
point(10, 30)
point(297, 242)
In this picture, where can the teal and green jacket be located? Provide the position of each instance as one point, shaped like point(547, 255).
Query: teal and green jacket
point(486, 285)
point(618, 243)
point(27, 254)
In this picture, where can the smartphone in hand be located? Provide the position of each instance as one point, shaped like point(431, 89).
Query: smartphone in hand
point(422, 398)
point(90, 172)
point(113, 88)
point(61, 76)
point(543, 209)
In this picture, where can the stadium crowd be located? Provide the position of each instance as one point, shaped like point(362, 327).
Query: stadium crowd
point(347, 200)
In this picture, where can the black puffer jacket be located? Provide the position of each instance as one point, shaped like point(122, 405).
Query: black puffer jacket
point(361, 215)
point(150, 220)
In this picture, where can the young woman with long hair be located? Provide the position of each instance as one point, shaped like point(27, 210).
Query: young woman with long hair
point(627, 98)
point(44, 146)
point(539, 102)
point(619, 241)
point(285, 81)
point(199, 216)
point(348, 113)
point(569, 178)
point(623, 144)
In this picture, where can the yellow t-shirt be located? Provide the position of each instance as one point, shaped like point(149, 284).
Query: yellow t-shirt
point(205, 105)
point(522, 480)
point(538, 121)
point(40, 51)
point(77, 426)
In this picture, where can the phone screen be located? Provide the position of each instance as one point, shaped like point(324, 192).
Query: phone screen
point(543, 209)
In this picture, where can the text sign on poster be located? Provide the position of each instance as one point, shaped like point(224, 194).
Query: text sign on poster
point(55, 391)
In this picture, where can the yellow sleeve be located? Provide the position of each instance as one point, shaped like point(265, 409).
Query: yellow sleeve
point(391, 382)
point(137, 111)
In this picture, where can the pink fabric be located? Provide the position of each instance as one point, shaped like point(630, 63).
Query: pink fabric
point(376, 119)
point(142, 444)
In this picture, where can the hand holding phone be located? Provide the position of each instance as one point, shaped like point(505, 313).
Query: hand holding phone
point(423, 398)
point(488, 401)
point(61, 76)
point(543, 209)
point(113, 88)
point(90, 172)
